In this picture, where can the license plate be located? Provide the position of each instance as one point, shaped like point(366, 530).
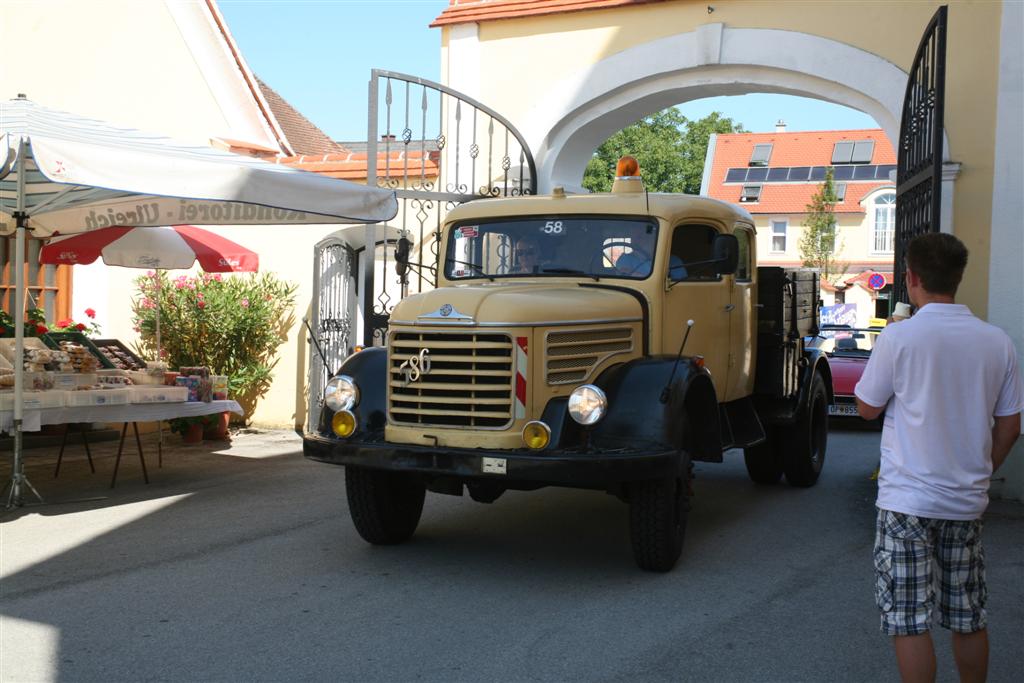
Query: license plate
point(843, 409)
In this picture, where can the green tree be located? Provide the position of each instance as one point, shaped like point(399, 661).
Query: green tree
point(818, 247)
point(669, 148)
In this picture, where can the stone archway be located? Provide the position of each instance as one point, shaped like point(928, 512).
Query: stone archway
point(586, 107)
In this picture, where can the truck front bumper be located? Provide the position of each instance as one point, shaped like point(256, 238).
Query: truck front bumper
point(579, 469)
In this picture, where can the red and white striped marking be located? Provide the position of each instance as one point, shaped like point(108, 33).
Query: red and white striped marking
point(521, 357)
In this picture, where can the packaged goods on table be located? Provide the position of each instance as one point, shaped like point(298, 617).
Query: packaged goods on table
point(82, 359)
point(158, 394)
point(192, 384)
point(119, 355)
point(220, 387)
point(98, 397)
point(33, 400)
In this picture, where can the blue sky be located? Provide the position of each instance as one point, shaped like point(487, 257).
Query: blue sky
point(318, 56)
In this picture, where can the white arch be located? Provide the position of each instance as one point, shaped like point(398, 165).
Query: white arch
point(583, 109)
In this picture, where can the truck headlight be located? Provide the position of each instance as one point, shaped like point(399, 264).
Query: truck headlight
point(341, 393)
point(587, 404)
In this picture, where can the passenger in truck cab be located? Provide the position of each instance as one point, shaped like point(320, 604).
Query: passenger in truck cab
point(630, 249)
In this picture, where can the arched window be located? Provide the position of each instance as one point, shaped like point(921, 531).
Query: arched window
point(883, 230)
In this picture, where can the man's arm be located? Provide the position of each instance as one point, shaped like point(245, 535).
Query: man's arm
point(1005, 432)
point(867, 411)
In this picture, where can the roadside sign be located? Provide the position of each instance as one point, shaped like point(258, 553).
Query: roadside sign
point(876, 281)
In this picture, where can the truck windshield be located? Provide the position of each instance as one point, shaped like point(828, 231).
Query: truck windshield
point(544, 246)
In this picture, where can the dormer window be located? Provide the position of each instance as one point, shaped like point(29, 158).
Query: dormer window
point(853, 152)
point(760, 155)
point(751, 193)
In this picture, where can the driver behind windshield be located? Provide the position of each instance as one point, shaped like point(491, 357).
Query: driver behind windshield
point(527, 254)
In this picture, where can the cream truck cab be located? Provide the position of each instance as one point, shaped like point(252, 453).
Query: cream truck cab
point(600, 341)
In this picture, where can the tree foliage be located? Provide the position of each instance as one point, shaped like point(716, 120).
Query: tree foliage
point(233, 325)
point(669, 147)
point(818, 247)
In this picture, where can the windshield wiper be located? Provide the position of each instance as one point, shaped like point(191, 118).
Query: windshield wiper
point(569, 271)
point(471, 265)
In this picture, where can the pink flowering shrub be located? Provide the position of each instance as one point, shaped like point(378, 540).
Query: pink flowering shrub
point(234, 325)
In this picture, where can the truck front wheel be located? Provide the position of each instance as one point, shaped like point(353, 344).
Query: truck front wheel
point(385, 506)
point(657, 520)
point(805, 440)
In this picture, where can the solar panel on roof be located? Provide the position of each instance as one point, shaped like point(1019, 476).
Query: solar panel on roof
point(842, 152)
point(736, 175)
point(843, 172)
point(818, 172)
point(862, 152)
point(863, 172)
point(778, 175)
point(799, 173)
point(883, 171)
point(757, 174)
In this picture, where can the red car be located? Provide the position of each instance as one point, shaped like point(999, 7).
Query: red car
point(848, 350)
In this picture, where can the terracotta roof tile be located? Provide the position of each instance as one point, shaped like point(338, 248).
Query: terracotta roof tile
point(803, 148)
point(352, 165)
point(301, 133)
point(468, 11)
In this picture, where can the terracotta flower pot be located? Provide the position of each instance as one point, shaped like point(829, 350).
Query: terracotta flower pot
point(193, 434)
point(219, 431)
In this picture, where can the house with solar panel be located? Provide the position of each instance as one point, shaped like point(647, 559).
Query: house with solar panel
point(774, 176)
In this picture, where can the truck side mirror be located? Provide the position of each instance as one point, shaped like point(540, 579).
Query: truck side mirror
point(726, 253)
point(402, 247)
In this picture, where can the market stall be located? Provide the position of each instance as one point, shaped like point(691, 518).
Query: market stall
point(64, 173)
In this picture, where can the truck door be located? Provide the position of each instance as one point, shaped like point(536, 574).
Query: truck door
point(699, 293)
point(743, 324)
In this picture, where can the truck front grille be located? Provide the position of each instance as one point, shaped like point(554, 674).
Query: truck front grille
point(572, 356)
point(470, 382)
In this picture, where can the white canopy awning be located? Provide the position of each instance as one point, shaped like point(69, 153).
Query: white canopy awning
point(82, 174)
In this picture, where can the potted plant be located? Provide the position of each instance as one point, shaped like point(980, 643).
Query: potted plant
point(190, 428)
point(215, 427)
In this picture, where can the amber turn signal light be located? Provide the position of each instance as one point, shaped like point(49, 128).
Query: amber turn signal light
point(343, 423)
point(536, 435)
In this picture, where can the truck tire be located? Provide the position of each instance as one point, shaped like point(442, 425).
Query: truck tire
point(657, 520)
point(765, 461)
point(805, 440)
point(385, 506)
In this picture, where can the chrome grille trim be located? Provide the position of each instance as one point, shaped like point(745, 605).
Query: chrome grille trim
point(571, 356)
point(471, 382)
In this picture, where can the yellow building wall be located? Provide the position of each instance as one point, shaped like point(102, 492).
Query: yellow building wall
point(526, 56)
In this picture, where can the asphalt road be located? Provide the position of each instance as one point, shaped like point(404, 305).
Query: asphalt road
point(243, 565)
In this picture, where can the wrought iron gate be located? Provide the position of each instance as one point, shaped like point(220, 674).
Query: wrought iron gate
point(436, 148)
point(919, 165)
point(332, 317)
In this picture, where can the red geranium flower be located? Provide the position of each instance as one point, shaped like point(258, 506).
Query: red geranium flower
point(41, 329)
point(80, 327)
point(64, 323)
point(201, 304)
point(90, 312)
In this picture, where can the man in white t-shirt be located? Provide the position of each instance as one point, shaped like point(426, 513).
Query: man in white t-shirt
point(952, 395)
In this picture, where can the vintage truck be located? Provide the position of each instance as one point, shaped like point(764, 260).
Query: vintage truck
point(597, 341)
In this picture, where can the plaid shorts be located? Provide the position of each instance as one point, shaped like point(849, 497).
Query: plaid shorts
point(907, 548)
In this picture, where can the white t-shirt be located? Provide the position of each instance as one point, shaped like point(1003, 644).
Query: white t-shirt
point(942, 375)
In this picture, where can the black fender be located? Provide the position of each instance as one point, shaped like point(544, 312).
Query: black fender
point(687, 419)
point(369, 369)
point(815, 362)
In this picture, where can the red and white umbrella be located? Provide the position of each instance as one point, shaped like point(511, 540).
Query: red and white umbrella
point(165, 247)
point(168, 248)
